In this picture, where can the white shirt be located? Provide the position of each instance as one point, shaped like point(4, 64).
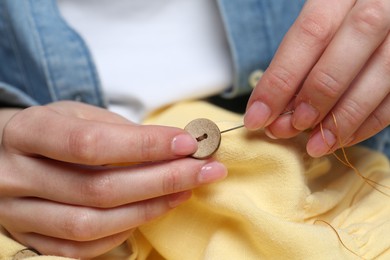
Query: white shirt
point(150, 53)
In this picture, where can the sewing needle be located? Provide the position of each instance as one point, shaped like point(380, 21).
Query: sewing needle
point(240, 126)
point(231, 129)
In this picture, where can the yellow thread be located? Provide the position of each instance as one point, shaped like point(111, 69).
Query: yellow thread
point(347, 163)
point(338, 236)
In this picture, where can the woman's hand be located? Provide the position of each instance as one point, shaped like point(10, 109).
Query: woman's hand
point(60, 192)
point(335, 60)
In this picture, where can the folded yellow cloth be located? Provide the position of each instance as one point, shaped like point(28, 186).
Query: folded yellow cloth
point(274, 204)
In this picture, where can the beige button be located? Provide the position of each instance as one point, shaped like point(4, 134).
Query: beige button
point(25, 253)
point(254, 77)
point(208, 135)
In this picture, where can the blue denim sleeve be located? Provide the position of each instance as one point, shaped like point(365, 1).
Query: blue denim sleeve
point(13, 97)
point(42, 58)
point(255, 29)
point(380, 142)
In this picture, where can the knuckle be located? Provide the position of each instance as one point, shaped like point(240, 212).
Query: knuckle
point(148, 145)
point(172, 181)
point(351, 113)
point(326, 85)
point(281, 80)
point(384, 54)
point(371, 18)
point(147, 211)
point(316, 29)
point(82, 144)
point(98, 190)
point(379, 121)
point(78, 226)
point(386, 62)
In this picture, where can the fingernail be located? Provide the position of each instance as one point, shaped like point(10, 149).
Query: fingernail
point(184, 144)
point(178, 198)
point(269, 134)
point(304, 116)
point(211, 172)
point(320, 144)
point(257, 115)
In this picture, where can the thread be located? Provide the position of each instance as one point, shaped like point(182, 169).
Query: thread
point(338, 237)
point(346, 161)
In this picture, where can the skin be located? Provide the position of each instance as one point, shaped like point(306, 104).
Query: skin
point(62, 191)
point(334, 61)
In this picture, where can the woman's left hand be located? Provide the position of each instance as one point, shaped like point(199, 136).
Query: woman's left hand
point(333, 68)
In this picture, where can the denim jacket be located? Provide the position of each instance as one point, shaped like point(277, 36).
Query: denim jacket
point(44, 60)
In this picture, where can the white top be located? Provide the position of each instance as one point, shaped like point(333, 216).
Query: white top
point(150, 53)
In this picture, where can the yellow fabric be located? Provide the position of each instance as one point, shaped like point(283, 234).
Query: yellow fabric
point(271, 206)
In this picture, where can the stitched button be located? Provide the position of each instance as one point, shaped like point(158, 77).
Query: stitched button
point(208, 135)
point(254, 77)
point(25, 253)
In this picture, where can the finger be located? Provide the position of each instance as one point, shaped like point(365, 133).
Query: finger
point(364, 30)
point(88, 112)
point(82, 223)
point(89, 142)
point(108, 186)
point(368, 92)
point(299, 51)
point(376, 122)
point(326, 141)
point(72, 249)
point(281, 128)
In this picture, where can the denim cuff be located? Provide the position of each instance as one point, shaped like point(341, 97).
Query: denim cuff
point(380, 142)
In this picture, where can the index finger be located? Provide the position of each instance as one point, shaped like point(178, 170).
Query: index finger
point(42, 131)
point(299, 51)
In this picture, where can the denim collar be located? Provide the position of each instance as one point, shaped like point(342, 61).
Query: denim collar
point(45, 53)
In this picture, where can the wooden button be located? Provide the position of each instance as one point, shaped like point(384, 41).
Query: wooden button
point(208, 135)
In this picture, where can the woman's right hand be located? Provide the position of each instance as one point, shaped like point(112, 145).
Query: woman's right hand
point(60, 192)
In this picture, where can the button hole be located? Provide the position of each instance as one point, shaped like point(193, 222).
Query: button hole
point(202, 137)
